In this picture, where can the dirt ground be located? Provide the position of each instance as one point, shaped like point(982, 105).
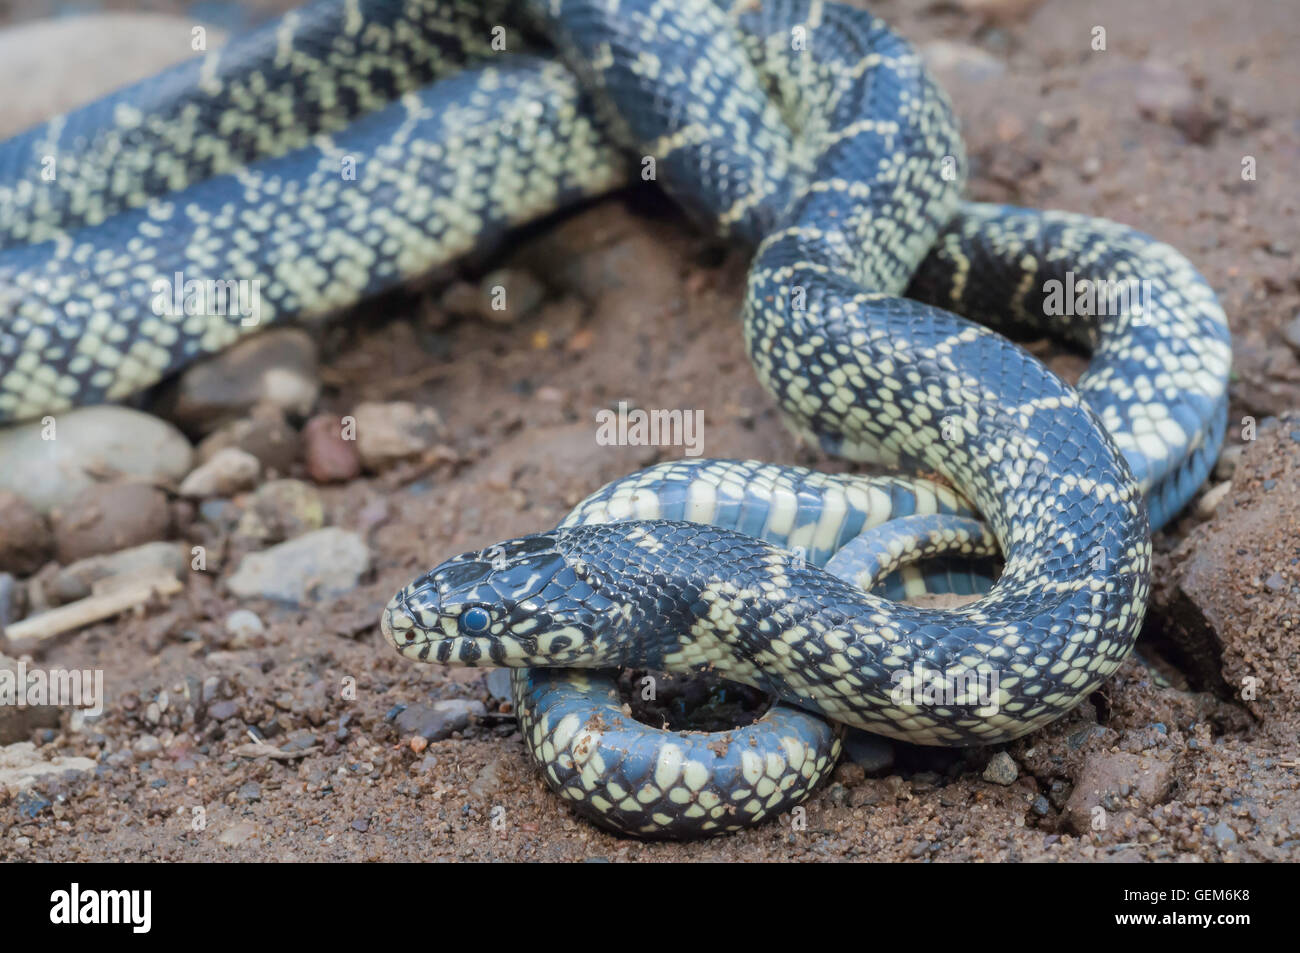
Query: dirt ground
point(640, 306)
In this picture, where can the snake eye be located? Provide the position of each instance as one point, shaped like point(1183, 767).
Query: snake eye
point(475, 620)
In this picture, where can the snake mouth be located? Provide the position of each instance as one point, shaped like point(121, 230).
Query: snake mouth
point(397, 626)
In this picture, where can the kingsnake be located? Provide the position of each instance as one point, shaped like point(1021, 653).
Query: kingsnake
point(318, 158)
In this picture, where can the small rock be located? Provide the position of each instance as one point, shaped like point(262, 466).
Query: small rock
point(1291, 333)
point(488, 780)
point(26, 543)
point(1107, 774)
point(146, 747)
point(277, 368)
point(850, 774)
point(960, 63)
point(31, 803)
point(1165, 95)
point(438, 720)
point(1206, 612)
point(314, 567)
point(1226, 465)
point(237, 834)
point(1210, 501)
point(1002, 769)
point(504, 296)
point(509, 295)
point(77, 580)
point(110, 517)
point(874, 753)
point(17, 722)
point(48, 465)
point(250, 791)
point(330, 458)
point(1275, 583)
point(282, 509)
point(21, 764)
point(388, 432)
point(243, 625)
point(221, 710)
point(265, 433)
point(462, 299)
point(230, 471)
point(1222, 835)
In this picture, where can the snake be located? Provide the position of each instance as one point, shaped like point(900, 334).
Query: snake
point(357, 145)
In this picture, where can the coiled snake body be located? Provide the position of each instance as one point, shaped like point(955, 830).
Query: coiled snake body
point(807, 129)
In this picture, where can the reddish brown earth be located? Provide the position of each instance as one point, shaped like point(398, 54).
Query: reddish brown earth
point(640, 306)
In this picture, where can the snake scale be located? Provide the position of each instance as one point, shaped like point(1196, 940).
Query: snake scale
point(354, 145)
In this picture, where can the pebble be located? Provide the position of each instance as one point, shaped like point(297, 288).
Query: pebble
point(280, 510)
point(17, 722)
point(113, 50)
point(1222, 835)
point(229, 471)
point(221, 710)
point(436, 721)
point(1002, 769)
point(250, 791)
point(488, 780)
point(50, 466)
point(109, 517)
point(960, 63)
point(1275, 583)
point(1226, 465)
point(77, 580)
point(1210, 500)
point(388, 432)
point(874, 753)
point(265, 433)
point(21, 764)
point(31, 803)
point(517, 291)
point(316, 566)
point(278, 368)
point(330, 458)
point(1208, 605)
point(26, 543)
point(1165, 95)
point(1107, 774)
point(1291, 333)
point(146, 747)
point(243, 625)
point(235, 835)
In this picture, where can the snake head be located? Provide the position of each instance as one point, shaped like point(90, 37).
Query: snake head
point(517, 604)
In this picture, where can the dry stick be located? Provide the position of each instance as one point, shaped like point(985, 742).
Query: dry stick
point(91, 609)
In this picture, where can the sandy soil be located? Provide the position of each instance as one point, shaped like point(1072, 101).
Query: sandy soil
point(642, 307)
